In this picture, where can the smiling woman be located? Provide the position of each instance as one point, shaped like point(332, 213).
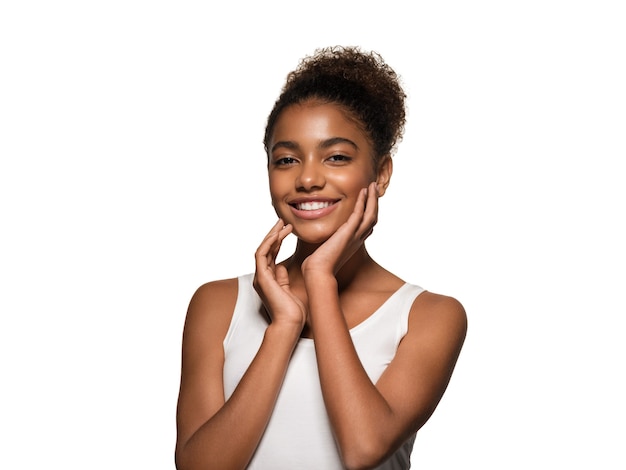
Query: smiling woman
point(320, 161)
point(326, 360)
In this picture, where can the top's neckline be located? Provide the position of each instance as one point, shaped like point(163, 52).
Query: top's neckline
point(363, 324)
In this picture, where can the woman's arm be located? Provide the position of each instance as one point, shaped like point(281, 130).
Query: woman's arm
point(214, 433)
point(371, 421)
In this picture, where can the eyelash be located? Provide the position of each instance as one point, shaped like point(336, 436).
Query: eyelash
point(341, 158)
point(338, 158)
point(284, 161)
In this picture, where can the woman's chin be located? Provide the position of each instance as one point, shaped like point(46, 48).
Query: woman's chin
point(312, 237)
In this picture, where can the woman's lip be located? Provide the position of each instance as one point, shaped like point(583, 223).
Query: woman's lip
point(313, 214)
point(301, 200)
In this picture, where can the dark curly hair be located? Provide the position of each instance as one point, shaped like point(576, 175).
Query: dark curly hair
point(360, 82)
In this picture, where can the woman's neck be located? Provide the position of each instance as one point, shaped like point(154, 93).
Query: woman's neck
point(357, 265)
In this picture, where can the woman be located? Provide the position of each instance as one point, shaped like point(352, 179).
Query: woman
point(325, 360)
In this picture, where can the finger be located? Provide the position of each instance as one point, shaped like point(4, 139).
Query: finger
point(364, 212)
point(361, 202)
point(282, 277)
point(272, 233)
point(367, 234)
point(263, 253)
point(371, 206)
point(354, 221)
point(282, 233)
point(370, 215)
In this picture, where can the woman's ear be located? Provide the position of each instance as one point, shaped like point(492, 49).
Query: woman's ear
point(383, 175)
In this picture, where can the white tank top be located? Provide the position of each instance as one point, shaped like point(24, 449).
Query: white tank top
point(298, 435)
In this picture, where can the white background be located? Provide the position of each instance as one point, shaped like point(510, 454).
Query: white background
point(132, 171)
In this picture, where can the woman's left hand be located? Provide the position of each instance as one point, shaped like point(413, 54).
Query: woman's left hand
point(334, 252)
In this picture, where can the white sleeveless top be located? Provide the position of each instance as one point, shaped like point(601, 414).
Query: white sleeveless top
point(298, 435)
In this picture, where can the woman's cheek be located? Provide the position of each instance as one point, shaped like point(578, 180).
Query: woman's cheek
point(281, 210)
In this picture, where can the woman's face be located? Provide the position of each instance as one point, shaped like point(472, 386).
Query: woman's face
point(319, 161)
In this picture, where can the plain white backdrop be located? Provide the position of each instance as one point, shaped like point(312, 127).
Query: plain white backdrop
point(132, 171)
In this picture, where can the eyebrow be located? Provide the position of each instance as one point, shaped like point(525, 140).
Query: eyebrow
point(337, 140)
point(288, 144)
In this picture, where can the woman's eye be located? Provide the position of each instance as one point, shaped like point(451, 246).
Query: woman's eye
point(339, 158)
point(284, 161)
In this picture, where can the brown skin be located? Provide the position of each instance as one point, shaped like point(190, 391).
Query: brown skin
point(328, 286)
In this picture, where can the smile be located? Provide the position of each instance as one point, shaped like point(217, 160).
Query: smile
point(312, 206)
point(313, 209)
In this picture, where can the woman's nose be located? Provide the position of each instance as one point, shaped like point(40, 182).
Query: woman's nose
point(311, 176)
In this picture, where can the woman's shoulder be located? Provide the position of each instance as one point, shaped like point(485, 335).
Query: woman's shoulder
point(215, 292)
point(212, 306)
point(428, 307)
point(435, 314)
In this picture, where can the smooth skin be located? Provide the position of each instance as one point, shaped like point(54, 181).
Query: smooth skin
point(327, 287)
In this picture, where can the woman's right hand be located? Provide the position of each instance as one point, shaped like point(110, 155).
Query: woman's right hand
point(271, 281)
point(219, 432)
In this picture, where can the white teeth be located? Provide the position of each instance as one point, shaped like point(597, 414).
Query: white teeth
point(312, 206)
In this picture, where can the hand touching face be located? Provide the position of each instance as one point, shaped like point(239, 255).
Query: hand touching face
point(320, 161)
point(330, 256)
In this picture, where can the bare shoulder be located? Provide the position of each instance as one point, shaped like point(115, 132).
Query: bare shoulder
point(211, 308)
point(201, 392)
point(418, 376)
point(440, 307)
point(214, 295)
point(439, 318)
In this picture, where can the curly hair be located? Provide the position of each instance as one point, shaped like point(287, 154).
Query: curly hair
point(360, 82)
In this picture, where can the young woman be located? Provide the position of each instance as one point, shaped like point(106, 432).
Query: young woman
point(326, 360)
